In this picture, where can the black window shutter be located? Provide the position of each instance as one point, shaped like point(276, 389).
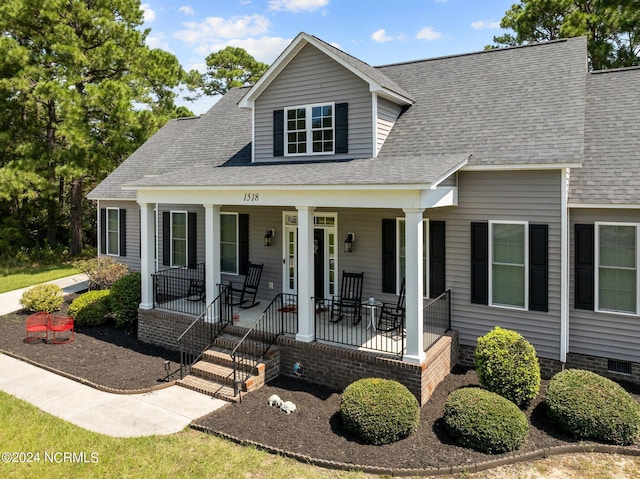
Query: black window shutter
point(243, 243)
point(480, 263)
point(103, 231)
point(166, 238)
point(389, 256)
point(436, 258)
point(192, 245)
point(539, 267)
point(342, 128)
point(278, 133)
point(584, 259)
point(123, 232)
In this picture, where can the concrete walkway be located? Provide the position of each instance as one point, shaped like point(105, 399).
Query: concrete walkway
point(10, 301)
point(164, 411)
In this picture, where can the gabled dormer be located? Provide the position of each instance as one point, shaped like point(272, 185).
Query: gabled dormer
point(316, 102)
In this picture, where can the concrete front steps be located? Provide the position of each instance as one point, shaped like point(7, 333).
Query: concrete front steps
point(213, 373)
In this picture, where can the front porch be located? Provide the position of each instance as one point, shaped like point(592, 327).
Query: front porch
point(174, 292)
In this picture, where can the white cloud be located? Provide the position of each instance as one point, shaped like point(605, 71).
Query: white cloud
point(381, 36)
point(214, 29)
point(428, 34)
point(158, 40)
point(263, 49)
point(149, 14)
point(297, 5)
point(483, 25)
point(187, 10)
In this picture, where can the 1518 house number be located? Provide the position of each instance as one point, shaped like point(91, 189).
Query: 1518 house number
point(250, 197)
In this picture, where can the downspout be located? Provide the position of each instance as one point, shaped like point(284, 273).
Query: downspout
point(564, 268)
point(155, 259)
point(98, 229)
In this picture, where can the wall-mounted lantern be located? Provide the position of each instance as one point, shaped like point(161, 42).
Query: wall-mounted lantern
point(269, 236)
point(348, 242)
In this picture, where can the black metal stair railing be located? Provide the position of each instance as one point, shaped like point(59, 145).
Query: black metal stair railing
point(280, 317)
point(197, 338)
point(437, 319)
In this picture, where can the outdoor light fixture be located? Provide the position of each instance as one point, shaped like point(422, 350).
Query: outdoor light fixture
point(269, 236)
point(348, 242)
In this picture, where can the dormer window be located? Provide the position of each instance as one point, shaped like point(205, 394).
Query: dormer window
point(309, 130)
point(320, 129)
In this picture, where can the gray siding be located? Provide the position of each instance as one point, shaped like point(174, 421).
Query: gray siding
point(388, 113)
point(312, 78)
point(132, 259)
point(606, 335)
point(518, 196)
point(261, 219)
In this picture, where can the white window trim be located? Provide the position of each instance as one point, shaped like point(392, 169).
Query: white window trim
point(425, 253)
point(111, 208)
point(309, 130)
point(186, 237)
point(236, 272)
point(596, 286)
point(526, 265)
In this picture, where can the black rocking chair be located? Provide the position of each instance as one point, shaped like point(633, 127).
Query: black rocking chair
point(247, 293)
point(196, 290)
point(350, 300)
point(392, 317)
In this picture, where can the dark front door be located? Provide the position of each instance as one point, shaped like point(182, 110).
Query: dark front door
point(318, 263)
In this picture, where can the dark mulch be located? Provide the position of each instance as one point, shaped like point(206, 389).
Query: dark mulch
point(103, 355)
point(115, 359)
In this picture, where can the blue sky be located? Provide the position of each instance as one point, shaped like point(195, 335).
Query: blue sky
point(375, 31)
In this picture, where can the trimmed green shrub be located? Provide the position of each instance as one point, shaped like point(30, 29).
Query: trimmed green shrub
point(589, 406)
point(485, 421)
point(125, 299)
point(90, 308)
point(43, 297)
point(379, 411)
point(507, 364)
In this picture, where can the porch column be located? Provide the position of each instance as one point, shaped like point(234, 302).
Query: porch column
point(414, 284)
point(147, 253)
point(212, 251)
point(306, 309)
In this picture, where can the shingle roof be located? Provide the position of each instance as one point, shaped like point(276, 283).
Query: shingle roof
point(522, 106)
point(139, 163)
point(609, 173)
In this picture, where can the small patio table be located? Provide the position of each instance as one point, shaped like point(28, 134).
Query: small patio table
point(373, 306)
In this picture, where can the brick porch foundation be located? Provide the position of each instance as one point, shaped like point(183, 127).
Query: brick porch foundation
point(326, 364)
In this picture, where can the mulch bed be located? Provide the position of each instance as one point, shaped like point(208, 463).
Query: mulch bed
point(103, 355)
point(115, 359)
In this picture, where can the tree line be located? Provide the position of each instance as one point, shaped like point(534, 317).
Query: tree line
point(80, 90)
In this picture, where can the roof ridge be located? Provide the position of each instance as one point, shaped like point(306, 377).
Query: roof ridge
point(478, 52)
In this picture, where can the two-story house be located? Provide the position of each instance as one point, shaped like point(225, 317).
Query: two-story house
point(493, 188)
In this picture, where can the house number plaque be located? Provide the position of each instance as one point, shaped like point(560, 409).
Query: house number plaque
point(251, 197)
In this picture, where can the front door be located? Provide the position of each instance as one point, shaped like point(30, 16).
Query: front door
point(324, 257)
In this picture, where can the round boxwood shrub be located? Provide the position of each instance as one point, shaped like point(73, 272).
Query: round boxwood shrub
point(589, 406)
point(485, 421)
point(43, 297)
point(90, 308)
point(125, 299)
point(379, 411)
point(507, 364)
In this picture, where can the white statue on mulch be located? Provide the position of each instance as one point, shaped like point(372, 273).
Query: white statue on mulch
point(285, 406)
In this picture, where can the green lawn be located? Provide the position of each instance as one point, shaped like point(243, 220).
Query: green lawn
point(16, 278)
point(26, 429)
